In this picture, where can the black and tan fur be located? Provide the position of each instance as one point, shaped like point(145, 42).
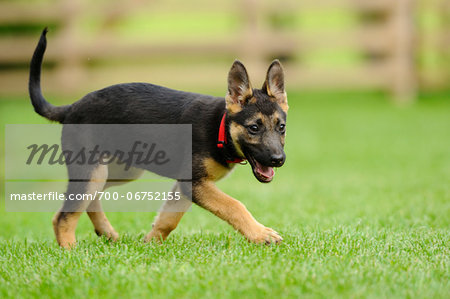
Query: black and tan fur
point(255, 126)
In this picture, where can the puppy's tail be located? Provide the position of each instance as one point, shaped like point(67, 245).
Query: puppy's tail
point(41, 106)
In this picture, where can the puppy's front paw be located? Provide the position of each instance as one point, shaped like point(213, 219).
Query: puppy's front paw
point(261, 234)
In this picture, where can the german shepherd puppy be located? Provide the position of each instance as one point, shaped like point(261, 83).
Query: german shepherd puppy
point(250, 123)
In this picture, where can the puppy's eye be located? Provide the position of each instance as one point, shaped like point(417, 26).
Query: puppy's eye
point(282, 128)
point(253, 129)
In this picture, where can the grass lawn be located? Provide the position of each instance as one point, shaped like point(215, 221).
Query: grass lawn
point(363, 204)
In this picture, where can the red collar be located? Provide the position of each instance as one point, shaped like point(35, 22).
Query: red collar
point(222, 139)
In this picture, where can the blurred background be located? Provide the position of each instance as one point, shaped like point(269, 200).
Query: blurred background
point(399, 47)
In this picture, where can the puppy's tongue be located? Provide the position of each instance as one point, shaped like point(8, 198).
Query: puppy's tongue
point(265, 171)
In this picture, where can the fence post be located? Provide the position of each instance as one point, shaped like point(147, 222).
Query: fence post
point(444, 40)
point(70, 71)
point(404, 67)
point(252, 43)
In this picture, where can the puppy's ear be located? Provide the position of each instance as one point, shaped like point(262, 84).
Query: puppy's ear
point(239, 87)
point(274, 84)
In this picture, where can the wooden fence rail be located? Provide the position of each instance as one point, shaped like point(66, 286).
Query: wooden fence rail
point(79, 61)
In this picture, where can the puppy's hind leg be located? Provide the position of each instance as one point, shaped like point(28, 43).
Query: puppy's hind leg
point(80, 194)
point(116, 176)
point(101, 224)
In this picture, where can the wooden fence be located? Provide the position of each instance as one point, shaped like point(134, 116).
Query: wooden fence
point(76, 61)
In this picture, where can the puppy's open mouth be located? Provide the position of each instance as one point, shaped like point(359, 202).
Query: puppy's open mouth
point(264, 174)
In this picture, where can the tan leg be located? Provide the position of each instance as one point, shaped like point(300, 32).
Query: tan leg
point(100, 222)
point(117, 175)
point(208, 196)
point(66, 220)
point(64, 225)
point(168, 218)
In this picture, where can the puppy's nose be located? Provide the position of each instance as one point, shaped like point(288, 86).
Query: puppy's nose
point(277, 159)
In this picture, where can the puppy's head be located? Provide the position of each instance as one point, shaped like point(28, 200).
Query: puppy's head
point(258, 118)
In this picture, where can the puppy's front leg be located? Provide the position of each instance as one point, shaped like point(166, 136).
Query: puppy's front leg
point(168, 217)
point(208, 196)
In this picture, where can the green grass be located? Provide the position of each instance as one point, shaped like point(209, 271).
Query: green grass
point(362, 203)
